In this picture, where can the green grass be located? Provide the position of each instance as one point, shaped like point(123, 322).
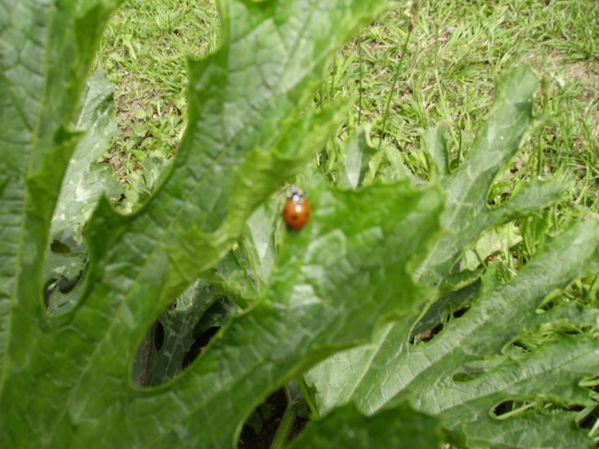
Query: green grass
point(457, 50)
point(144, 52)
point(454, 53)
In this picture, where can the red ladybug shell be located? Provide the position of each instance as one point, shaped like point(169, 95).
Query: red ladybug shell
point(296, 211)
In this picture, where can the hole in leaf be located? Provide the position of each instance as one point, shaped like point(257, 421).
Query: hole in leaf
point(158, 335)
point(66, 285)
point(58, 247)
point(460, 312)
point(179, 335)
point(520, 346)
point(198, 345)
point(452, 304)
point(62, 285)
point(427, 335)
point(590, 419)
point(509, 408)
point(261, 426)
point(503, 408)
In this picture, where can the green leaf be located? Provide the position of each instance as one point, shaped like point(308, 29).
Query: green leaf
point(387, 369)
point(300, 321)
point(397, 428)
point(85, 181)
point(547, 376)
point(46, 53)
point(435, 146)
point(467, 214)
point(297, 322)
point(490, 243)
point(248, 132)
point(244, 272)
point(431, 373)
point(356, 156)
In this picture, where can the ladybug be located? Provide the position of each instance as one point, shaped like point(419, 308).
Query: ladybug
point(296, 211)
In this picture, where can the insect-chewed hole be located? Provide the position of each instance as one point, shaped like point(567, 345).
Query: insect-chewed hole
point(510, 407)
point(65, 270)
point(66, 285)
point(58, 247)
point(503, 408)
point(158, 335)
point(260, 428)
point(198, 346)
point(589, 420)
point(61, 285)
point(427, 335)
point(460, 312)
point(520, 346)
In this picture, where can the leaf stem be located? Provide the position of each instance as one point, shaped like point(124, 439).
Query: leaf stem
point(282, 435)
point(308, 397)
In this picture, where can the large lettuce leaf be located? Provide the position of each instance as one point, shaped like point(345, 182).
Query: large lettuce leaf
point(66, 375)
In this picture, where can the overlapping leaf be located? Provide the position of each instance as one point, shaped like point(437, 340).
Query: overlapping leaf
point(85, 181)
point(397, 428)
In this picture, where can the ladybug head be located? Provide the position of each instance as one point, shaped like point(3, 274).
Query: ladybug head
point(295, 193)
